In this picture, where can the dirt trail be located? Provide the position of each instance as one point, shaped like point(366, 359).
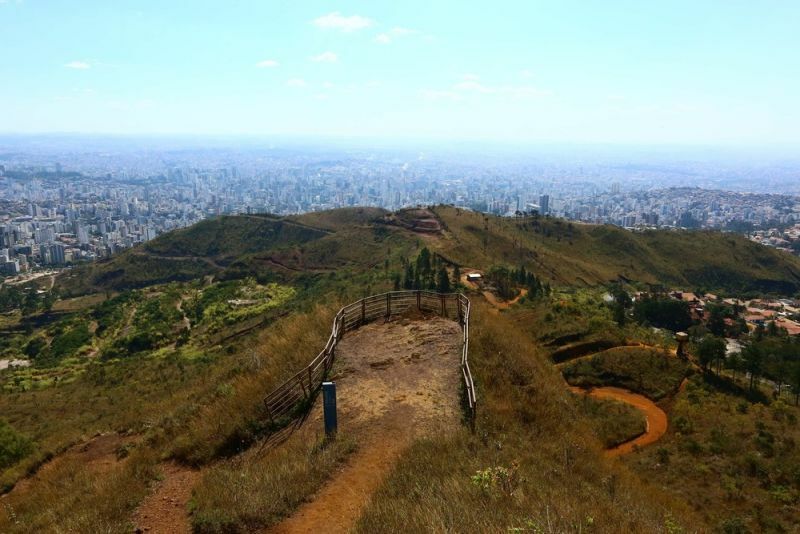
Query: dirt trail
point(655, 416)
point(395, 382)
point(97, 455)
point(166, 509)
point(503, 304)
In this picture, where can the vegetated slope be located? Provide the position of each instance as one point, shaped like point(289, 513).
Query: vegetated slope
point(559, 251)
point(570, 253)
point(533, 465)
point(264, 246)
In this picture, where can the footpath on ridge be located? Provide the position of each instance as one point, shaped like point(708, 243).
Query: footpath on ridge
point(396, 382)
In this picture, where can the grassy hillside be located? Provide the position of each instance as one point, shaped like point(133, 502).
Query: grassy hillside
point(574, 253)
point(559, 251)
point(285, 249)
point(173, 356)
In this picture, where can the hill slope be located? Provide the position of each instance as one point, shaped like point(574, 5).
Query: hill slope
point(570, 253)
point(560, 251)
point(172, 377)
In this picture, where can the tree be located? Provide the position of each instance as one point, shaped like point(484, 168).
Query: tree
point(456, 276)
point(794, 380)
point(735, 363)
point(665, 313)
point(716, 320)
point(619, 313)
point(711, 349)
point(753, 362)
point(424, 262)
point(408, 280)
point(396, 281)
point(621, 296)
point(444, 280)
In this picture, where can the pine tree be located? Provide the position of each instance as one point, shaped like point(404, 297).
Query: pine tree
point(444, 280)
point(408, 280)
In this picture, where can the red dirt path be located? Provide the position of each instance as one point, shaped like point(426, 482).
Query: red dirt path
point(656, 418)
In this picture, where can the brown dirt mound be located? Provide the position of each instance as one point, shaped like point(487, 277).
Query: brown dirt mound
point(396, 381)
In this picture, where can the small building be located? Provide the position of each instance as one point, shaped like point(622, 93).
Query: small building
point(474, 277)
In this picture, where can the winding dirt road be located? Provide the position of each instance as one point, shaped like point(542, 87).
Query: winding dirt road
point(655, 417)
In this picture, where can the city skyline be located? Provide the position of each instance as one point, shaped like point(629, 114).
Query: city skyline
point(713, 73)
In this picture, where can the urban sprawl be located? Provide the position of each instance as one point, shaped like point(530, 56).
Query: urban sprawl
point(52, 217)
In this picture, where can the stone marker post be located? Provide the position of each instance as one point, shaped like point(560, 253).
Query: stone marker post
point(329, 408)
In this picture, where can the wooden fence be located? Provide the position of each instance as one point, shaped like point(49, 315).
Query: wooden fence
point(296, 394)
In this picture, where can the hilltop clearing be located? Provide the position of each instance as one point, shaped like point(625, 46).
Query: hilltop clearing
point(396, 382)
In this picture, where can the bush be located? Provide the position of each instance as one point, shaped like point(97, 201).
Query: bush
point(13, 446)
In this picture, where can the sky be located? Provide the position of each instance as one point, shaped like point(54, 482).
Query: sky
point(698, 72)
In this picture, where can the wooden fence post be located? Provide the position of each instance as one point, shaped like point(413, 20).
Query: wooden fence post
point(444, 306)
point(419, 294)
point(363, 310)
point(388, 305)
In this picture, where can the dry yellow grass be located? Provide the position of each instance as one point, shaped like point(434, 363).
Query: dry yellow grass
point(236, 418)
point(555, 478)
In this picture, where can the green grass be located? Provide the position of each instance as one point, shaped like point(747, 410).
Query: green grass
point(258, 490)
point(548, 473)
point(582, 254)
point(72, 498)
point(734, 461)
point(614, 422)
point(236, 418)
point(650, 372)
point(558, 251)
point(535, 460)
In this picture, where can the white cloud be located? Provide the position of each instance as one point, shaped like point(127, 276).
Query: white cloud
point(470, 84)
point(431, 94)
point(394, 33)
point(325, 57)
point(473, 85)
point(520, 91)
point(78, 65)
point(267, 64)
point(337, 21)
point(526, 74)
point(473, 77)
point(327, 85)
point(296, 82)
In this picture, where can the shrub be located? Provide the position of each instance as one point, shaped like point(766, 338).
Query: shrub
point(13, 446)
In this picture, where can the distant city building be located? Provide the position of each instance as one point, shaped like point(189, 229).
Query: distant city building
point(544, 204)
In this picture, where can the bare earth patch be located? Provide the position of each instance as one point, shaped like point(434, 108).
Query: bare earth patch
point(166, 510)
point(395, 382)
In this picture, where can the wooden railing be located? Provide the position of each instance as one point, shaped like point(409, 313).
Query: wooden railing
point(296, 394)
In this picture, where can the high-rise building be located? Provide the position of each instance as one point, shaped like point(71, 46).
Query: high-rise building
point(544, 204)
